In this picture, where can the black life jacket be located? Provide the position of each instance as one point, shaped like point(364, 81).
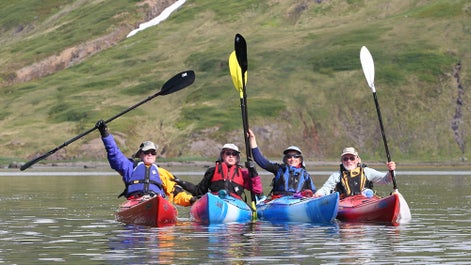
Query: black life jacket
point(352, 182)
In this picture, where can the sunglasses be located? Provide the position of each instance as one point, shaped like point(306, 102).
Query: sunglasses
point(152, 152)
point(233, 153)
point(351, 158)
point(292, 156)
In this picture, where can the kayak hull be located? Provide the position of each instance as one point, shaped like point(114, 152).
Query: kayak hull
point(214, 209)
point(299, 209)
point(379, 210)
point(149, 211)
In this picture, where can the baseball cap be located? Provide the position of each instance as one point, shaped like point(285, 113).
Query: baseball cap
point(145, 146)
point(350, 151)
point(231, 146)
point(292, 148)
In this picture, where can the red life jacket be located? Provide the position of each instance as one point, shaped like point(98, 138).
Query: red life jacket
point(229, 179)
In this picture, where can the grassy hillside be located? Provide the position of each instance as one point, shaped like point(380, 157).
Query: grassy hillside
point(305, 83)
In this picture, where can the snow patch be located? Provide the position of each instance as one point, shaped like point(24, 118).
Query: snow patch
point(155, 21)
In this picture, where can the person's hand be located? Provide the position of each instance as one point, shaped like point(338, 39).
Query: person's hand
point(188, 186)
point(102, 127)
point(250, 165)
point(252, 140)
point(177, 180)
point(317, 195)
point(391, 166)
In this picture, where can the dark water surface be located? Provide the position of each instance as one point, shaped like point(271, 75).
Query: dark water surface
point(68, 218)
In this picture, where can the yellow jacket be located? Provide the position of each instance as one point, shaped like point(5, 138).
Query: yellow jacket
point(175, 193)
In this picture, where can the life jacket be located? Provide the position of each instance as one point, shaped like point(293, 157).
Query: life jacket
point(290, 180)
point(229, 179)
point(352, 182)
point(144, 180)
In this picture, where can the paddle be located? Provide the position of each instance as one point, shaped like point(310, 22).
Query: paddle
point(179, 81)
point(369, 70)
point(368, 67)
point(238, 68)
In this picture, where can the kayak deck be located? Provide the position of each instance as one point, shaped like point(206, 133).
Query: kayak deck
point(361, 209)
point(148, 211)
point(214, 209)
point(294, 208)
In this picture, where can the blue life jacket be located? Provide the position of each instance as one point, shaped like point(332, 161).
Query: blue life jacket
point(144, 180)
point(289, 180)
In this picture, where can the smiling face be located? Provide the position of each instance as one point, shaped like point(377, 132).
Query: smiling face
point(293, 158)
point(148, 157)
point(350, 161)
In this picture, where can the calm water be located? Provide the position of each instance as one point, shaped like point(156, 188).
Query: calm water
point(67, 218)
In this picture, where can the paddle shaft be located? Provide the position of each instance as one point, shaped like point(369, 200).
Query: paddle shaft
point(66, 143)
point(248, 150)
point(240, 47)
point(368, 66)
point(384, 138)
point(245, 124)
point(174, 84)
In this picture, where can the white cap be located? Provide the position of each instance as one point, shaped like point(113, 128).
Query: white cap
point(231, 146)
point(147, 145)
point(349, 151)
point(292, 148)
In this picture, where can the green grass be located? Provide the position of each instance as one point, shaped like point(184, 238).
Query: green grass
point(305, 83)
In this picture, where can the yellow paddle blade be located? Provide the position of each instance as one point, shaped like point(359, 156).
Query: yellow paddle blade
point(236, 74)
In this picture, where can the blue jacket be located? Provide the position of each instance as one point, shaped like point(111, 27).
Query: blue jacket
point(288, 179)
point(138, 178)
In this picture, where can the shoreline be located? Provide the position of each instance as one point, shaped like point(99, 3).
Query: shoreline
point(103, 165)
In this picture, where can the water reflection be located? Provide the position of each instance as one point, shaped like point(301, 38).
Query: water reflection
point(142, 245)
point(364, 243)
point(49, 220)
point(231, 242)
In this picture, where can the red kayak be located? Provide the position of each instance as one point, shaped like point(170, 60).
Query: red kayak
point(361, 209)
point(147, 210)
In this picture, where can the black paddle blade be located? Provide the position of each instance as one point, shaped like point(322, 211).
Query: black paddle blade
point(240, 47)
point(179, 81)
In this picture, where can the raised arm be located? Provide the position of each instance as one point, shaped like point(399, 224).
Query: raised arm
point(258, 156)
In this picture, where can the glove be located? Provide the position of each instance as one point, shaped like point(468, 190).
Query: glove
point(188, 186)
point(177, 180)
point(250, 165)
point(102, 127)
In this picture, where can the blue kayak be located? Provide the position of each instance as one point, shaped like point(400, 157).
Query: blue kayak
point(293, 208)
point(220, 209)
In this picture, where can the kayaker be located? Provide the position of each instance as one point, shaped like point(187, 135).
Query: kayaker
point(291, 177)
point(354, 176)
point(227, 175)
point(142, 177)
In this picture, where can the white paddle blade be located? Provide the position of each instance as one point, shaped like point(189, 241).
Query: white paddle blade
point(404, 210)
point(368, 67)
